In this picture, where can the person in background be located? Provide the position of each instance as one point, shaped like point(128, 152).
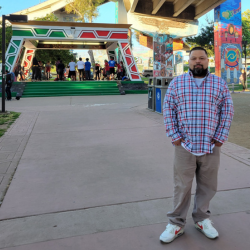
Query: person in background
point(40, 68)
point(112, 64)
point(87, 69)
point(72, 70)
point(56, 63)
point(106, 70)
point(61, 68)
point(120, 70)
point(47, 70)
point(9, 80)
point(97, 71)
point(34, 66)
point(80, 69)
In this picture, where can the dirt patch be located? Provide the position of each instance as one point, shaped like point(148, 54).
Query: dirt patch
point(240, 128)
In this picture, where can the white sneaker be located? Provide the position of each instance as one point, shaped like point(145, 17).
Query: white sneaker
point(171, 232)
point(207, 228)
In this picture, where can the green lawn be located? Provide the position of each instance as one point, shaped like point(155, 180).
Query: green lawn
point(6, 119)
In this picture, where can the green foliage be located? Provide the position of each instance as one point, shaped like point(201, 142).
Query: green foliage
point(205, 39)
point(85, 9)
point(246, 29)
point(53, 55)
point(49, 17)
point(8, 35)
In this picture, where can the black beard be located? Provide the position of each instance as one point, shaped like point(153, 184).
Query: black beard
point(199, 72)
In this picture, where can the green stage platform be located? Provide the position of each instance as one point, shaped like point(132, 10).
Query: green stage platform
point(68, 88)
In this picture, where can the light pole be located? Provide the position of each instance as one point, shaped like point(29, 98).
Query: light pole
point(244, 44)
point(13, 18)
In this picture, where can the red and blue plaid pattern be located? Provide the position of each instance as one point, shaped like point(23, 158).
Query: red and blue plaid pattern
point(198, 114)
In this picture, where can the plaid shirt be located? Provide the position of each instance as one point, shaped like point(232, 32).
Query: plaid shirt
point(198, 114)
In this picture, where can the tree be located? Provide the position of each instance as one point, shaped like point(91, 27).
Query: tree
point(52, 55)
point(246, 29)
point(85, 9)
point(205, 38)
point(49, 17)
point(8, 35)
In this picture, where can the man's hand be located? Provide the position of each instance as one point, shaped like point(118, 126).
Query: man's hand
point(178, 143)
point(216, 143)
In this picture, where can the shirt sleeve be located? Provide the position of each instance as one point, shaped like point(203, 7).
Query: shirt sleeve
point(226, 116)
point(170, 114)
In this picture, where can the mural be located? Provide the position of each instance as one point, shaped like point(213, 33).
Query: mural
point(227, 40)
point(178, 63)
point(163, 56)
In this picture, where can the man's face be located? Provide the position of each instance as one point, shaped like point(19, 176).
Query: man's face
point(198, 62)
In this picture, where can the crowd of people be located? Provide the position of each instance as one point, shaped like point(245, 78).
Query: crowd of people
point(111, 70)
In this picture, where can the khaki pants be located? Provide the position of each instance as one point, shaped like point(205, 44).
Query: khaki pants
point(205, 168)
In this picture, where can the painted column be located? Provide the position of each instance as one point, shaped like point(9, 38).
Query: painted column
point(227, 40)
point(27, 60)
point(163, 56)
point(129, 61)
point(13, 53)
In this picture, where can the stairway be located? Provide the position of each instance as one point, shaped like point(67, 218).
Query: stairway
point(57, 88)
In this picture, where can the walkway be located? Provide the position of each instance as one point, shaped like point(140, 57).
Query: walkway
point(95, 172)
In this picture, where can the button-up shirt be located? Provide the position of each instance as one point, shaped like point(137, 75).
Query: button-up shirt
point(198, 114)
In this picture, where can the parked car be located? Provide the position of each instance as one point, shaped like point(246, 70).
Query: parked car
point(147, 72)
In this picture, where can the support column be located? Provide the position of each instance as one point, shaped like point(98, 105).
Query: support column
point(163, 56)
point(27, 60)
point(13, 53)
point(178, 63)
point(129, 61)
point(228, 40)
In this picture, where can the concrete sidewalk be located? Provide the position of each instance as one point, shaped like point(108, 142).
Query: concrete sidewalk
point(96, 173)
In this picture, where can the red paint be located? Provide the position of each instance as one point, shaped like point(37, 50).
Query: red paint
point(29, 51)
point(134, 69)
point(119, 36)
point(124, 45)
point(102, 33)
point(29, 58)
point(128, 51)
point(129, 61)
point(88, 35)
point(25, 64)
point(135, 76)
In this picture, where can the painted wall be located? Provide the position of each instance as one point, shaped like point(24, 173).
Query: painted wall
point(163, 56)
point(227, 40)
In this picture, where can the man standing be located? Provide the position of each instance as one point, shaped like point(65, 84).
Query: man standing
point(61, 68)
point(112, 64)
point(87, 69)
point(72, 70)
point(80, 68)
point(198, 112)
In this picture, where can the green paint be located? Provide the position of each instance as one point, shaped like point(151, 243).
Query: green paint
point(57, 34)
point(111, 52)
point(41, 31)
point(12, 49)
point(22, 33)
point(11, 60)
point(17, 42)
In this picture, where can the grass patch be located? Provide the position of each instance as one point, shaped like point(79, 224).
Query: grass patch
point(145, 79)
point(6, 120)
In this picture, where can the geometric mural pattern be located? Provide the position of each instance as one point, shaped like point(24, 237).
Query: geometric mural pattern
point(130, 64)
point(27, 60)
point(103, 34)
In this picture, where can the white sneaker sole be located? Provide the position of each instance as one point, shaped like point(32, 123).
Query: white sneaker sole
point(176, 236)
point(202, 231)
